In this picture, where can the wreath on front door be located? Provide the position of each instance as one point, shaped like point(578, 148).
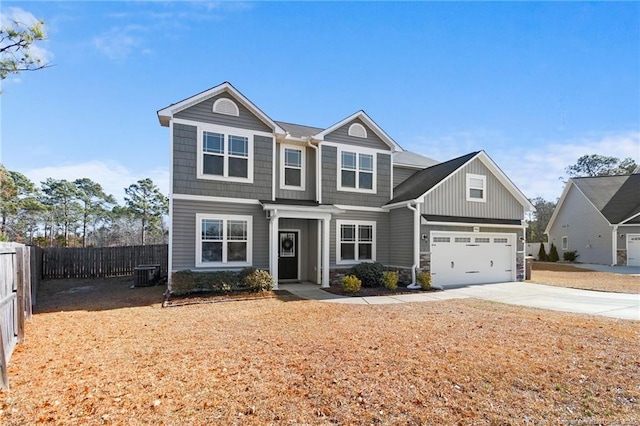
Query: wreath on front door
point(287, 244)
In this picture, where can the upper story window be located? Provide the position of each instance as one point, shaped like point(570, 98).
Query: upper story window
point(292, 167)
point(356, 171)
point(223, 240)
point(476, 187)
point(225, 154)
point(226, 106)
point(357, 130)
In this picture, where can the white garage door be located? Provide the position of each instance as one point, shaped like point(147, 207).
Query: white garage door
point(633, 249)
point(472, 258)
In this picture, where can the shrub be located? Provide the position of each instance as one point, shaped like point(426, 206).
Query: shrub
point(542, 254)
point(221, 281)
point(390, 279)
point(570, 256)
point(351, 284)
point(370, 274)
point(258, 280)
point(424, 278)
point(553, 254)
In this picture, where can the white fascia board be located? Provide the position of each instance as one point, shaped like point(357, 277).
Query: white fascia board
point(212, 199)
point(360, 208)
point(624, 222)
point(506, 182)
point(167, 113)
point(372, 125)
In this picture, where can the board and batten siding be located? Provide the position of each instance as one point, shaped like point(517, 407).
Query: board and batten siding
point(185, 152)
point(400, 174)
point(341, 135)
point(382, 234)
point(309, 170)
point(450, 198)
point(184, 231)
point(330, 193)
point(588, 232)
point(203, 113)
point(401, 233)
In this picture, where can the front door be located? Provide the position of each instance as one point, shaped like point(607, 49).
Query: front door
point(288, 255)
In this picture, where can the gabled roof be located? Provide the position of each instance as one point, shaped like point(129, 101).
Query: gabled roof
point(298, 130)
point(369, 122)
point(425, 180)
point(412, 160)
point(166, 113)
point(617, 198)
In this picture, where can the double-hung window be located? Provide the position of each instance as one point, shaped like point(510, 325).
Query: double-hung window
point(355, 241)
point(356, 171)
point(223, 240)
point(476, 187)
point(292, 167)
point(225, 155)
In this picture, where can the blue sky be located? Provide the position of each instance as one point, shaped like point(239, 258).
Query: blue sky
point(535, 85)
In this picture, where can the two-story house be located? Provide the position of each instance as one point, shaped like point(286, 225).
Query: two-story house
point(307, 203)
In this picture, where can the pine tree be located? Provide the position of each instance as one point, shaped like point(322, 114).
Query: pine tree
point(553, 254)
point(542, 254)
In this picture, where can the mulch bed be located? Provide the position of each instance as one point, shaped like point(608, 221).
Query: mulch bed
point(203, 297)
point(373, 291)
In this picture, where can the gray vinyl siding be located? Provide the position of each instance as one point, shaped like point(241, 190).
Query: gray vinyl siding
point(184, 231)
point(309, 171)
point(588, 232)
point(203, 112)
point(450, 198)
point(341, 135)
point(426, 229)
point(185, 147)
point(307, 245)
point(400, 174)
point(401, 233)
point(382, 234)
point(330, 193)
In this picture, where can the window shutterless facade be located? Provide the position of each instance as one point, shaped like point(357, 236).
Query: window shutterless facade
point(292, 170)
point(223, 240)
point(225, 154)
point(355, 241)
point(356, 171)
point(476, 188)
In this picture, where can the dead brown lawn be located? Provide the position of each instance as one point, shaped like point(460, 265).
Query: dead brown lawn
point(563, 275)
point(115, 356)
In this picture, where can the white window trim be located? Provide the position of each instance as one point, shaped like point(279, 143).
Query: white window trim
point(224, 218)
point(226, 131)
point(303, 170)
point(218, 101)
point(339, 224)
point(484, 188)
point(358, 151)
point(359, 127)
point(565, 242)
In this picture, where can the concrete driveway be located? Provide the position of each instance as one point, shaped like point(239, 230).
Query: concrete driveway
point(615, 305)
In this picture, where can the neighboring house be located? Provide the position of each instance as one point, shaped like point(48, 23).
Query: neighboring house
point(599, 217)
point(308, 203)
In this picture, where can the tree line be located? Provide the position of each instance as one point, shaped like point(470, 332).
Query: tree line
point(78, 213)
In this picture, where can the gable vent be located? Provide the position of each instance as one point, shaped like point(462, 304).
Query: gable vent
point(226, 106)
point(357, 130)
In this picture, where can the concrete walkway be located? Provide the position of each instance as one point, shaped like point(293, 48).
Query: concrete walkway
point(615, 305)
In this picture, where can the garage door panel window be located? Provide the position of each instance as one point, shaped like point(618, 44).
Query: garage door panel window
point(476, 187)
point(356, 241)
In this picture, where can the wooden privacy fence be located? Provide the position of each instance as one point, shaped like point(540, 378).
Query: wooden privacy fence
point(17, 274)
point(90, 262)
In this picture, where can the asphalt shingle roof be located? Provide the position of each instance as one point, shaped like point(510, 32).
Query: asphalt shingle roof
point(425, 179)
point(299, 131)
point(616, 197)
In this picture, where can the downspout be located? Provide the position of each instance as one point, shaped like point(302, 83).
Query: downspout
point(416, 246)
point(318, 173)
point(614, 245)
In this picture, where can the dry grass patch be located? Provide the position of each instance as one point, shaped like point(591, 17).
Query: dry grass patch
point(274, 361)
point(563, 275)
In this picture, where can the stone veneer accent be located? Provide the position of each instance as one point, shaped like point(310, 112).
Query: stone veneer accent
point(621, 257)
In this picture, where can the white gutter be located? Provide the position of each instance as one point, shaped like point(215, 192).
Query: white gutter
point(614, 245)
